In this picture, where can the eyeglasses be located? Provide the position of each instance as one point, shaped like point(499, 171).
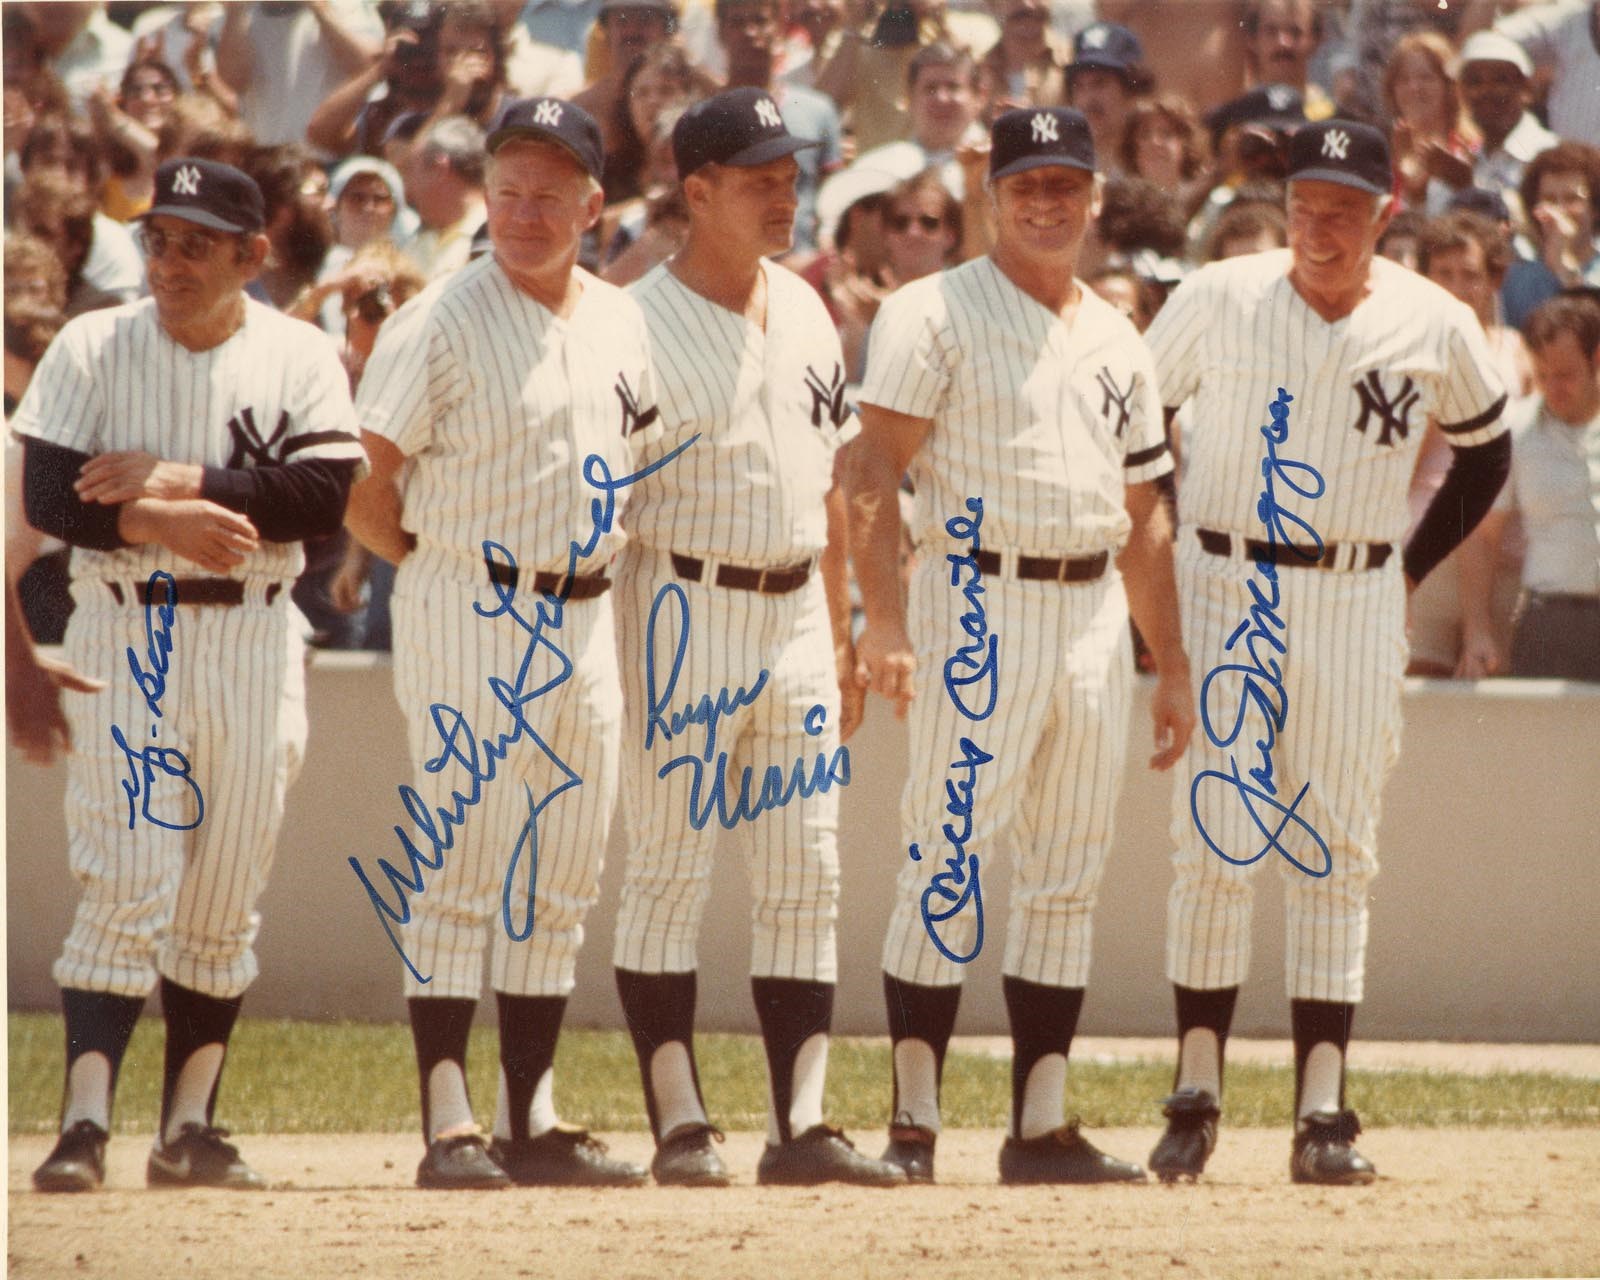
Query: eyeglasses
point(901, 222)
point(368, 199)
point(192, 246)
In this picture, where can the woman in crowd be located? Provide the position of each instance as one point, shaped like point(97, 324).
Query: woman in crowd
point(1430, 128)
point(658, 80)
point(1165, 143)
point(129, 126)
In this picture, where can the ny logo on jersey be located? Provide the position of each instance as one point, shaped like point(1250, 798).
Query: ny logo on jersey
point(547, 112)
point(1394, 412)
point(186, 182)
point(1044, 128)
point(632, 419)
point(249, 449)
point(767, 113)
point(826, 397)
point(1335, 144)
point(1113, 395)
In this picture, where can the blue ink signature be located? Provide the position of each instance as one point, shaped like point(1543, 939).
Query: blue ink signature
point(143, 765)
point(776, 787)
point(480, 758)
point(975, 663)
point(1263, 632)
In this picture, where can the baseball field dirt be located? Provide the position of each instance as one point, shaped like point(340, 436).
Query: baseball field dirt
point(1449, 1202)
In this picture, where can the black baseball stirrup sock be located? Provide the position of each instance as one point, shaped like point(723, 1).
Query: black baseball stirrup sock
point(1043, 1020)
point(659, 1008)
point(920, 1013)
point(98, 1022)
point(193, 1021)
point(1319, 1022)
point(1212, 1010)
point(790, 1013)
point(439, 1030)
point(529, 1029)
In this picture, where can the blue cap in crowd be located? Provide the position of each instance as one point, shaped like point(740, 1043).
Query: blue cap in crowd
point(1110, 46)
point(1031, 137)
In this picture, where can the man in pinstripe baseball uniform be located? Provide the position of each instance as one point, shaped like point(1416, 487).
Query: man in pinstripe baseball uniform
point(1313, 372)
point(496, 407)
point(720, 589)
point(1026, 410)
point(196, 426)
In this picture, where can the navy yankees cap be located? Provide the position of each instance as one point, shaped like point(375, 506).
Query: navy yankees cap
point(1031, 137)
point(552, 120)
point(741, 127)
point(1108, 45)
point(214, 194)
point(1342, 151)
point(1276, 106)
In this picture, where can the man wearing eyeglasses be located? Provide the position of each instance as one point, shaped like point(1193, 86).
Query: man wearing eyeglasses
point(184, 445)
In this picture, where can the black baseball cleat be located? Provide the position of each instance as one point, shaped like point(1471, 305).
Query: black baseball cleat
point(200, 1158)
point(1063, 1155)
point(911, 1147)
point(823, 1154)
point(565, 1156)
point(460, 1162)
point(1190, 1138)
point(77, 1162)
point(686, 1158)
point(1323, 1151)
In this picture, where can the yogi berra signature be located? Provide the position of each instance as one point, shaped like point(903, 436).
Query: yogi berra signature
point(1260, 679)
point(776, 787)
point(973, 666)
point(160, 612)
point(480, 758)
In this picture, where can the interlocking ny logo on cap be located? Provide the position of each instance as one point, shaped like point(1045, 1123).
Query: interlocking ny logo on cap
point(186, 182)
point(1044, 128)
point(767, 113)
point(1280, 97)
point(1335, 144)
point(547, 112)
point(1095, 38)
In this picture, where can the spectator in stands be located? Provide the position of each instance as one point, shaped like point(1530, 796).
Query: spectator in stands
point(1399, 241)
point(471, 67)
point(84, 48)
point(1106, 77)
point(294, 192)
point(129, 126)
point(657, 81)
point(444, 184)
point(1250, 138)
point(749, 33)
point(1120, 285)
point(1560, 193)
point(1495, 78)
point(1562, 39)
point(1026, 67)
point(199, 126)
point(1467, 255)
point(368, 204)
point(284, 59)
point(35, 291)
point(534, 69)
point(1555, 487)
point(1139, 221)
point(631, 28)
point(1279, 38)
point(1247, 226)
point(640, 233)
point(1165, 144)
point(357, 116)
point(815, 28)
point(1431, 133)
point(61, 213)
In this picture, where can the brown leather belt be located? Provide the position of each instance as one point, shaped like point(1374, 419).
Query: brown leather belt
point(204, 591)
point(550, 584)
point(1048, 568)
point(1366, 555)
point(771, 582)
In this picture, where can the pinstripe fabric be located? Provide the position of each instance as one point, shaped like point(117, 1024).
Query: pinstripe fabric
point(182, 903)
point(768, 404)
point(1228, 339)
point(498, 402)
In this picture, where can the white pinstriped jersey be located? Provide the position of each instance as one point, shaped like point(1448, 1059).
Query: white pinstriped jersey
point(274, 392)
point(1364, 388)
point(770, 409)
point(499, 401)
point(1046, 421)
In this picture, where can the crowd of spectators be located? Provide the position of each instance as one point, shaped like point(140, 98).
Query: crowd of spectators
point(364, 123)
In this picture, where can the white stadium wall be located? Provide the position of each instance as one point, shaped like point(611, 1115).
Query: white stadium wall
point(1485, 918)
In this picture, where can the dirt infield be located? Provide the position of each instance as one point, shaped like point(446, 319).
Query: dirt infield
point(1450, 1203)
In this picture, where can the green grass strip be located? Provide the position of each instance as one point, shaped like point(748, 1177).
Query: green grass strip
point(304, 1077)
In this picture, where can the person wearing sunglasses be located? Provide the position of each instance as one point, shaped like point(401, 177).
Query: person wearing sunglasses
point(184, 445)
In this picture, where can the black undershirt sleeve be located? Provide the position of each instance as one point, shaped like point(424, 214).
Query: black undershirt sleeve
point(53, 506)
point(285, 503)
point(1470, 486)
